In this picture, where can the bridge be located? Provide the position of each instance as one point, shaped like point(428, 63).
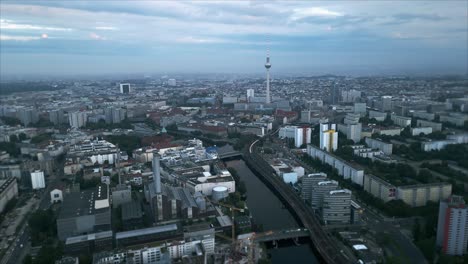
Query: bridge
point(281, 234)
point(321, 239)
point(229, 154)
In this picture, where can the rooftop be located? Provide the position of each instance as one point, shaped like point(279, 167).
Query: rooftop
point(146, 231)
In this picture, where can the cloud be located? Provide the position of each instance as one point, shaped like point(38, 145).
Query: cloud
point(300, 13)
point(106, 28)
point(18, 38)
point(95, 36)
point(10, 25)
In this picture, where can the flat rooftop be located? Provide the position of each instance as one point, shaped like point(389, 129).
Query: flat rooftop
point(146, 231)
point(87, 202)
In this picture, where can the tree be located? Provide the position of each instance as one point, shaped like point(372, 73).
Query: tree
point(22, 136)
point(13, 138)
point(416, 230)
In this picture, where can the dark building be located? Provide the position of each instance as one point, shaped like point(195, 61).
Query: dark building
point(87, 244)
point(84, 212)
point(132, 215)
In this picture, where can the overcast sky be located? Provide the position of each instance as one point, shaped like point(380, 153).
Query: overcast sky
point(352, 37)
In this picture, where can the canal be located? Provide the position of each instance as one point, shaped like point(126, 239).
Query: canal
point(269, 211)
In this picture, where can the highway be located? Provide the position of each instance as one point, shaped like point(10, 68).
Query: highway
point(320, 238)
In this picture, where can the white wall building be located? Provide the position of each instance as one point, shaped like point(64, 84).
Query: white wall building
point(250, 94)
point(77, 119)
point(37, 180)
point(328, 137)
point(56, 195)
point(401, 121)
point(301, 135)
point(416, 131)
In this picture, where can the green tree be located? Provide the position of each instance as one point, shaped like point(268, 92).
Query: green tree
point(22, 136)
point(13, 138)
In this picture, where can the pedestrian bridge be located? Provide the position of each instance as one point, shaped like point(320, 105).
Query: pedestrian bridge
point(281, 234)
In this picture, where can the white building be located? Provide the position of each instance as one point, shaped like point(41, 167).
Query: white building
point(386, 103)
point(337, 207)
point(250, 94)
point(352, 131)
point(37, 180)
point(308, 181)
point(328, 137)
point(452, 227)
point(56, 195)
point(435, 126)
point(353, 172)
point(379, 116)
point(401, 121)
point(319, 189)
point(416, 131)
point(77, 119)
point(386, 148)
point(301, 135)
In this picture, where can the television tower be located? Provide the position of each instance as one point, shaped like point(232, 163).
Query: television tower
point(267, 67)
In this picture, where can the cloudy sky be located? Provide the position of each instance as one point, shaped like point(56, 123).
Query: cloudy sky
point(352, 37)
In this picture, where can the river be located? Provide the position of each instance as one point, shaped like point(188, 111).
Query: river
point(269, 211)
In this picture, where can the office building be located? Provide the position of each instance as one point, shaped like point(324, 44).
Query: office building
point(301, 135)
point(319, 190)
point(121, 194)
point(386, 103)
point(337, 207)
point(8, 191)
point(77, 119)
point(99, 151)
point(88, 243)
point(335, 94)
point(125, 88)
point(328, 137)
point(308, 181)
point(250, 94)
point(37, 180)
point(452, 228)
point(360, 108)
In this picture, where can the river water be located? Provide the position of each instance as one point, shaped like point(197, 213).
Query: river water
point(269, 211)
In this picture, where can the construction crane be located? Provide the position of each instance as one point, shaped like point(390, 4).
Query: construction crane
point(232, 208)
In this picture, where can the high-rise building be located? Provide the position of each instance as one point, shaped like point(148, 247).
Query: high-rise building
point(267, 67)
point(77, 119)
point(452, 228)
point(37, 180)
point(386, 103)
point(319, 190)
point(301, 135)
point(328, 137)
point(56, 116)
point(335, 94)
point(125, 88)
point(337, 207)
point(250, 94)
point(308, 182)
point(27, 116)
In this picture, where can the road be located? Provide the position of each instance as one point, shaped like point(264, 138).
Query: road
point(405, 245)
point(19, 247)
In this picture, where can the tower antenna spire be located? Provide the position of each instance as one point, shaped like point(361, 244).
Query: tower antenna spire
point(267, 67)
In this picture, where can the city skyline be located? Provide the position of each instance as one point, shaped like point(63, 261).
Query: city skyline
point(312, 38)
